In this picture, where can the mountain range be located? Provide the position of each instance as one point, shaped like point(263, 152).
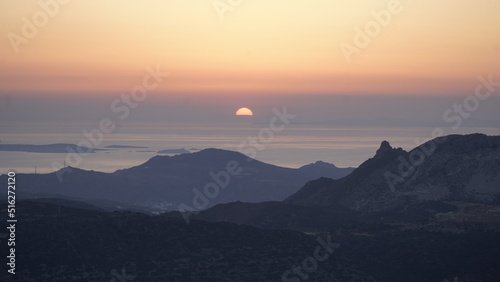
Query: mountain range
point(166, 182)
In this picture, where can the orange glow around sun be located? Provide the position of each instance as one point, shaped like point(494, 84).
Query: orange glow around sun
point(244, 112)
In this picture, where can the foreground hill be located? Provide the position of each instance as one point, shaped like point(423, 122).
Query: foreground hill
point(198, 180)
point(60, 243)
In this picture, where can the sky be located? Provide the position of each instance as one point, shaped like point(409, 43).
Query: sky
point(405, 59)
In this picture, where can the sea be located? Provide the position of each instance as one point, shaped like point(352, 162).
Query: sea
point(294, 146)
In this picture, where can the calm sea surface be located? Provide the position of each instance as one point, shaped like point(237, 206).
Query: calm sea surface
point(295, 146)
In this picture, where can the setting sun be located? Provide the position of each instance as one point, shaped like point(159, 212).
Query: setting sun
point(244, 112)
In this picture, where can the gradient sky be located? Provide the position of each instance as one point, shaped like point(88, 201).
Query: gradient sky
point(274, 48)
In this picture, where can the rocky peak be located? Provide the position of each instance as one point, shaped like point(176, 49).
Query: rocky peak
point(384, 147)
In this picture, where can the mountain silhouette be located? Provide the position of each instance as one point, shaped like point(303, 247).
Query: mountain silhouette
point(450, 168)
point(164, 182)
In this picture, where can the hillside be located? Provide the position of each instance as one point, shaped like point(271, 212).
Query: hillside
point(61, 243)
point(452, 168)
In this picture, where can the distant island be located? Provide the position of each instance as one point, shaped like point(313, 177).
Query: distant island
point(124, 147)
point(174, 151)
point(50, 148)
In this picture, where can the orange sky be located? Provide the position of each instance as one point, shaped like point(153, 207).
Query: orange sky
point(261, 46)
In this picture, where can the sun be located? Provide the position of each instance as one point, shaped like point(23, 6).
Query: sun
point(244, 112)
